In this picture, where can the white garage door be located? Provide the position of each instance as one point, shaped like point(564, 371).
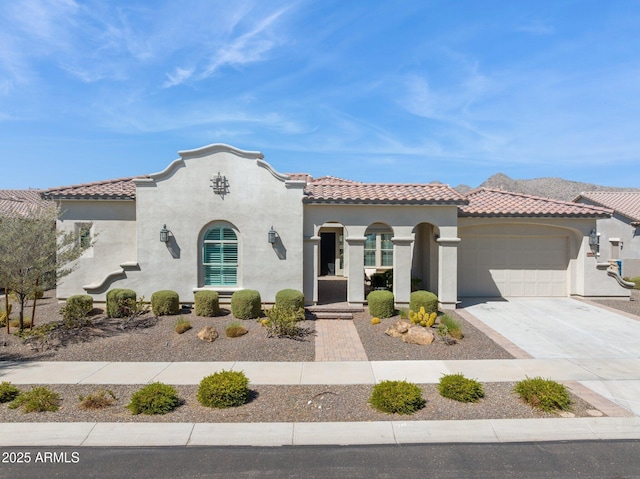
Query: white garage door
point(512, 265)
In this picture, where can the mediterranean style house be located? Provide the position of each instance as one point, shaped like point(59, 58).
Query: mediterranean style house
point(619, 234)
point(222, 218)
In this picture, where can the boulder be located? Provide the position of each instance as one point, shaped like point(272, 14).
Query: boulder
point(418, 335)
point(208, 333)
point(398, 329)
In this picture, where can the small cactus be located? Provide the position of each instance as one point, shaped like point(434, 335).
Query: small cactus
point(423, 318)
point(375, 321)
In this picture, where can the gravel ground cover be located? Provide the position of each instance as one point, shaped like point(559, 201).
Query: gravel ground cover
point(318, 403)
point(631, 307)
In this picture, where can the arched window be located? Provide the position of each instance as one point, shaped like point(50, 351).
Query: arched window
point(220, 256)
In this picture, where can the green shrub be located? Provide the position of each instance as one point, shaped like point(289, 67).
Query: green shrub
point(246, 304)
point(543, 394)
point(165, 302)
point(39, 399)
point(635, 279)
point(290, 298)
point(381, 304)
point(154, 398)
point(120, 302)
point(235, 330)
point(454, 329)
point(459, 388)
point(207, 303)
point(182, 325)
point(283, 322)
point(76, 309)
point(224, 389)
point(397, 397)
point(99, 400)
point(425, 299)
point(8, 392)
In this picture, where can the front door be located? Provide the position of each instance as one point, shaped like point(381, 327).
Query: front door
point(327, 254)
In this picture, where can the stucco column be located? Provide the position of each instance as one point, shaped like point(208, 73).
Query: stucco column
point(448, 272)
point(311, 269)
point(355, 290)
point(402, 248)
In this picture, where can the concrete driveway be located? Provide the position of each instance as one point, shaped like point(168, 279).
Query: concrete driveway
point(600, 341)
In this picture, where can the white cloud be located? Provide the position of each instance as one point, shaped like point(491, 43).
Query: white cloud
point(179, 76)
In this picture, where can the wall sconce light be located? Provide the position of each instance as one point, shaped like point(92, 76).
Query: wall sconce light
point(164, 234)
point(272, 235)
point(594, 238)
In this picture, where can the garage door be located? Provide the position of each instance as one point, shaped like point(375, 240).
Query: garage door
point(512, 265)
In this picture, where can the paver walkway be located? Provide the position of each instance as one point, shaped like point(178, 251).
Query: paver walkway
point(338, 341)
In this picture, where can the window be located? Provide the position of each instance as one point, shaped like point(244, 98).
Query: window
point(378, 250)
point(220, 256)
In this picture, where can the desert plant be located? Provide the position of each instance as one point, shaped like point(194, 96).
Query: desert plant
point(38, 399)
point(375, 321)
point(182, 325)
point(119, 302)
point(636, 280)
point(423, 318)
point(404, 313)
point(543, 394)
point(246, 304)
point(154, 398)
point(283, 322)
point(381, 304)
point(454, 329)
point(8, 392)
point(99, 400)
point(165, 302)
point(290, 298)
point(207, 303)
point(224, 389)
point(423, 299)
point(76, 309)
point(459, 388)
point(26, 322)
point(397, 397)
point(235, 330)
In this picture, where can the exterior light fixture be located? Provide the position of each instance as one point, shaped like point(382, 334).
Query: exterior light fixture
point(164, 234)
point(272, 235)
point(594, 238)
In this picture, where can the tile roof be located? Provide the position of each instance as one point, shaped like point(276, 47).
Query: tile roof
point(118, 189)
point(338, 191)
point(498, 203)
point(19, 202)
point(626, 203)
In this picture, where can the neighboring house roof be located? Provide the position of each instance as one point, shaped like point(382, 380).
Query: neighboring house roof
point(626, 203)
point(19, 202)
point(337, 191)
point(498, 203)
point(118, 189)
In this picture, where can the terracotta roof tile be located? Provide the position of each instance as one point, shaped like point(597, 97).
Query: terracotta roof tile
point(120, 189)
point(19, 202)
point(626, 203)
point(332, 180)
point(335, 190)
point(490, 202)
point(306, 177)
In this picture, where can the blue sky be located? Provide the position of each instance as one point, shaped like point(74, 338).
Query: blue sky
point(371, 90)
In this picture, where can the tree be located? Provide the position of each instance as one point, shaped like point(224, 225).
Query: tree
point(31, 248)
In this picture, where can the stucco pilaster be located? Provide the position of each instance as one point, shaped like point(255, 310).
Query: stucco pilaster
point(402, 247)
point(311, 269)
point(355, 289)
point(448, 271)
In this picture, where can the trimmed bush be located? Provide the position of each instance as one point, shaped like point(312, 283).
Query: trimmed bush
point(459, 388)
point(224, 389)
point(543, 394)
point(381, 304)
point(76, 308)
point(423, 299)
point(120, 302)
point(39, 399)
point(207, 303)
point(397, 397)
point(8, 392)
point(154, 398)
point(235, 330)
point(290, 298)
point(165, 302)
point(246, 304)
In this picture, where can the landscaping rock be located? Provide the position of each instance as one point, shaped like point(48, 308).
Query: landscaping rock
point(398, 329)
point(208, 333)
point(418, 335)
